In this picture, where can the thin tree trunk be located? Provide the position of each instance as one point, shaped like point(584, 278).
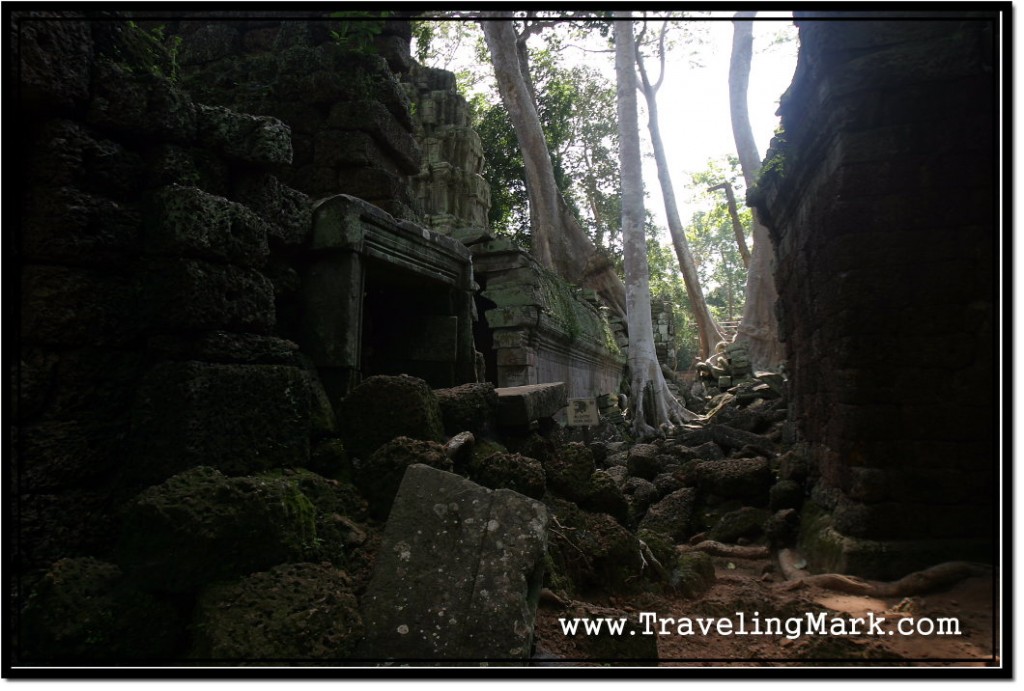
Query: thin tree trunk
point(709, 333)
point(559, 241)
point(758, 328)
point(737, 227)
point(652, 403)
point(728, 283)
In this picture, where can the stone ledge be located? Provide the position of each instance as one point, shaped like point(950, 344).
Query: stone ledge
point(521, 405)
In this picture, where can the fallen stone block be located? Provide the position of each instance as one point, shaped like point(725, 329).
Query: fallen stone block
point(734, 478)
point(458, 574)
point(521, 405)
point(672, 514)
point(732, 438)
point(84, 611)
point(509, 471)
point(469, 407)
point(385, 407)
point(293, 612)
point(200, 526)
point(380, 476)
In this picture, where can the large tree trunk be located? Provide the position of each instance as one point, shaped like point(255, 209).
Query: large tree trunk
point(652, 403)
point(758, 328)
point(559, 241)
point(708, 332)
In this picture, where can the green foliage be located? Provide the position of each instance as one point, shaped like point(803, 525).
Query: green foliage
point(666, 282)
point(576, 107)
point(504, 172)
point(150, 50)
point(774, 166)
point(441, 44)
point(298, 508)
point(423, 33)
point(560, 297)
point(713, 242)
point(356, 30)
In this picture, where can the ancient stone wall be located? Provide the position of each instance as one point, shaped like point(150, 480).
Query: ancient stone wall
point(541, 328)
point(350, 119)
point(664, 322)
point(450, 186)
point(147, 317)
point(880, 197)
point(533, 327)
point(170, 381)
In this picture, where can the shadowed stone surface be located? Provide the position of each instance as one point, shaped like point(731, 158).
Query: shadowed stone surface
point(458, 573)
point(509, 471)
point(236, 418)
point(84, 610)
point(469, 407)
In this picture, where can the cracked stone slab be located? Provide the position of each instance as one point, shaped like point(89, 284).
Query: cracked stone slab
point(458, 573)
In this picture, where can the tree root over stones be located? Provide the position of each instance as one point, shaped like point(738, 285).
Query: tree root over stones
point(647, 557)
point(918, 583)
point(719, 549)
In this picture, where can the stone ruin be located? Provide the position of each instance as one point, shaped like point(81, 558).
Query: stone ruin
point(218, 243)
point(225, 250)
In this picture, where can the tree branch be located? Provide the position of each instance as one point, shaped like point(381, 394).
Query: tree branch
point(535, 28)
point(661, 56)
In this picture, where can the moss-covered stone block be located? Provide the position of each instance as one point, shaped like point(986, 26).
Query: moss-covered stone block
point(745, 522)
point(603, 495)
point(54, 61)
point(662, 547)
point(591, 552)
point(186, 221)
point(248, 138)
point(672, 515)
point(569, 471)
point(734, 478)
point(645, 461)
point(379, 476)
point(65, 306)
point(292, 612)
point(84, 611)
point(330, 459)
point(140, 103)
point(201, 526)
point(509, 471)
point(694, 574)
point(785, 494)
point(195, 294)
point(469, 408)
point(384, 407)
